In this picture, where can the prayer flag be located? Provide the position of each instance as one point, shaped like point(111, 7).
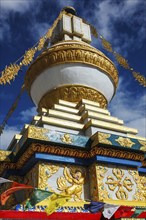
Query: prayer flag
point(15, 187)
point(109, 210)
point(138, 211)
point(124, 211)
point(53, 202)
point(3, 180)
point(94, 207)
point(37, 196)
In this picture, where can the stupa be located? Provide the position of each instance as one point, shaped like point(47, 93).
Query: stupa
point(74, 145)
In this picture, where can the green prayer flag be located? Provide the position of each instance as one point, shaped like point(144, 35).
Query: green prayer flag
point(138, 211)
point(37, 196)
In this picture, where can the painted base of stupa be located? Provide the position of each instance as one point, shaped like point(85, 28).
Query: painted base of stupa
point(80, 150)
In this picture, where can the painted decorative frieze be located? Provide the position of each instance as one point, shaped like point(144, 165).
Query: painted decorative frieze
point(70, 180)
point(113, 184)
point(118, 141)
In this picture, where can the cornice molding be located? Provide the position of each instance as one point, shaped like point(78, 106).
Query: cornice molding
point(71, 52)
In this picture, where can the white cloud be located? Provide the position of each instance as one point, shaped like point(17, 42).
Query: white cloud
point(5, 29)
point(9, 7)
point(16, 5)
point(27, 114)
point(130, 108)
point(39, 29)
point(10, 131)
point(108, 15)
point(7, 136)
point(139, 124)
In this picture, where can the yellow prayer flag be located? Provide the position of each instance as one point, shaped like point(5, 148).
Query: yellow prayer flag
point(53, 202)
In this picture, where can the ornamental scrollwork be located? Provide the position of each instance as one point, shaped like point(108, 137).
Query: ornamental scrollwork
point(143, 145)
point(125, 142)
point(119, 184)
point(142, 182)
point(71, 53)
point(38, 133)
point(103, 138)
point(4, 155)
point(72, 93)
point(66, 139)
point(101, 191)
point(46, 171)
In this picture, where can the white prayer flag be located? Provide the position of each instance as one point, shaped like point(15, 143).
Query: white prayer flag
point(3, 180)
point(109, 210)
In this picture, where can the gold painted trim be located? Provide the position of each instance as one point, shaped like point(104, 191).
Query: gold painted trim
point(71, 52)
point(36, 118)
point(64, 151)
point(100, 138)
point(66, 109)
point(125, 142)
point(76, 204)
point(67, 104)
point(4, 155)
point(72, 93)
point(63, 115)
point(124, 202)
point(111, 126)
point(94, 109)
point(61, 123)
point(100, 116)
point(37, 133)
point(70, 204)
point(88, 102)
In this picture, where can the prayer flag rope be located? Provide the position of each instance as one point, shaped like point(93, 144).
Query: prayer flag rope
point(10, 72)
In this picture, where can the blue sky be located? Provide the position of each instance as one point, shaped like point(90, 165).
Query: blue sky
point(122, 22)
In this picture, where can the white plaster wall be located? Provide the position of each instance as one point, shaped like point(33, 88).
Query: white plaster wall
point(72, 73)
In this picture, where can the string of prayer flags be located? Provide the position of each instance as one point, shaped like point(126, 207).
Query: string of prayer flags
point(109, 210)
point(53, 202)
point(94, 207)
point(37, 196)
point(12, 109)
point(10, 72)
point(15, 187)
point(3, 180)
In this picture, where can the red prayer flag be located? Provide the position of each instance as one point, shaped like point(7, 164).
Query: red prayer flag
point(142, 215)
point(15, 187)
point(124, 211)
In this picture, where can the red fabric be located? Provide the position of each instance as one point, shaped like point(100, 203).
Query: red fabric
point(54, 216)
point(124, 211)
point(142, 215)
point(15, 187)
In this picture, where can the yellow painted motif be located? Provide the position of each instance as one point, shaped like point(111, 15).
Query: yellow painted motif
point(76, 178)
point(143, 143)
point(37, 133)
point(45, 172)
point(66, 139)
point(117, 186)
point(117, 182)
point(125, 142)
